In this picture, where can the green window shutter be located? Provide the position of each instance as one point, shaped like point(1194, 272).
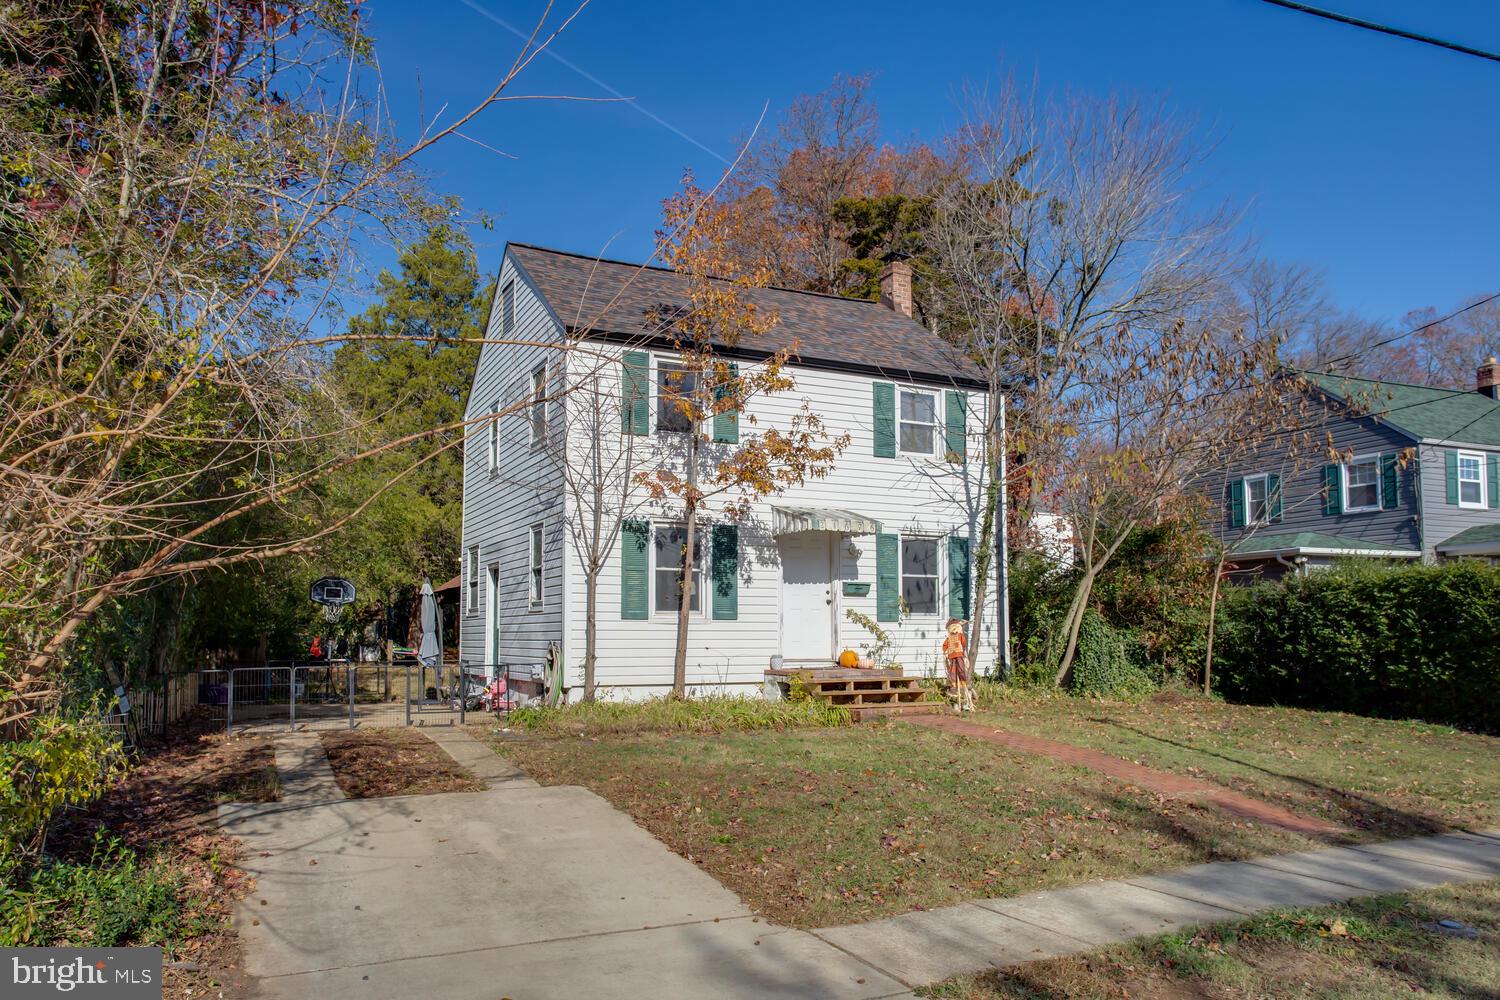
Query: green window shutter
point(1273, 491)
point(887, 578)
point(958, 577)
point(1389, 494)
point(635, 393)
point(726, 572)
point(1333, 490)
point(1450, 467)
point(1237, 503)
point(885, 420)
point(635, 570)
point(1492, 467)
point(727, 425)
point(957, 406)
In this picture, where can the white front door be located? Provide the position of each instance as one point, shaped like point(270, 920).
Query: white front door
point(806, 596)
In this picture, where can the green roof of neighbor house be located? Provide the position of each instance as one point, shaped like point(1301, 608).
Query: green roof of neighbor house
point(1482, 535)
point(1314, 541)
point(1419, 410)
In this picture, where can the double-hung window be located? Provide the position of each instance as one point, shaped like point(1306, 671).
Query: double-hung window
point(917, 433)
point(539, 406)
point(473, 580)
point(534, 568)
point(919, 575)
point(1257, 500)
point(675, 389)
point(1362, 484)
point(670, 540)
point(1470, 479)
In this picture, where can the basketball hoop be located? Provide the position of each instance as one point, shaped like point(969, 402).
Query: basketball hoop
point(334, 593)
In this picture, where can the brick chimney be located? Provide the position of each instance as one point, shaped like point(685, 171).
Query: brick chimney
point(895, 284)
point(1486, 379)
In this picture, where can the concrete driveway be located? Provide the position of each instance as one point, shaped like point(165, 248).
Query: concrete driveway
point(518, 891)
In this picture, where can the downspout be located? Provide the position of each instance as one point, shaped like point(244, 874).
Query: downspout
point(1295, 565)
point(1002, 560)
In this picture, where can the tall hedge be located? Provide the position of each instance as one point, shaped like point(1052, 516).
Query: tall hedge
point(1417, 642)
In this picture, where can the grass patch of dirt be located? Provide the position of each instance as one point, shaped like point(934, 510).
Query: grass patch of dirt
point(376, 763)
point(814, 827)
point(1381, 777)
point(1375, 947)
point(165, 812)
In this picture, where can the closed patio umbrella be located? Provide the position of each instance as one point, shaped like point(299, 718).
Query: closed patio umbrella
point(430, 649)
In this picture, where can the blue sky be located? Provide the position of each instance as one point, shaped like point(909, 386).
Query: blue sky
point(1370, 157)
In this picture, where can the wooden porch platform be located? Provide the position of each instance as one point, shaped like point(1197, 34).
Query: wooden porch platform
point(865, 693)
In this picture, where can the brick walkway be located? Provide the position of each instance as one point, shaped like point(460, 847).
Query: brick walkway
point(1173, 786)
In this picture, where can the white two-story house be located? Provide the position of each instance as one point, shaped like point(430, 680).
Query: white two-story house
point(888, 533)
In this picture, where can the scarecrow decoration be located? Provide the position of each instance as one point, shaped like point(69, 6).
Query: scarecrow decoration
point(955, 653)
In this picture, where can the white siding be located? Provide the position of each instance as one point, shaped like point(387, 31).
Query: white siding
point(499, 508)
point(904, 494)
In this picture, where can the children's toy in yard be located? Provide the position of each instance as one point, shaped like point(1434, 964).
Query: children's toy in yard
point(955, 654)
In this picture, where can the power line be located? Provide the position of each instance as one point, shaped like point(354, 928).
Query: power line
point(1303, 8)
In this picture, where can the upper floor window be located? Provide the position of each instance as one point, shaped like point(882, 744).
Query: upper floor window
point(539, 405)
point(918, 423)
point(508, 307)
point(1362, 484)
point(675, 387)
point(1258, 499)
point(919, 575)
point(1470, 479)
point(669, 578)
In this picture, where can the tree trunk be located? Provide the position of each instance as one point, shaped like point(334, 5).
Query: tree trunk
point(1074, 623)
point(590, 631)
point(982, 563)
point(685, 598)
point(1213, 605)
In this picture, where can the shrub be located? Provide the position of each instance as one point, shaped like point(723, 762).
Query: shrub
point(115, 898)
point(1105, 663)
point(1402, 642)
point(60, 762)
point(678, 715)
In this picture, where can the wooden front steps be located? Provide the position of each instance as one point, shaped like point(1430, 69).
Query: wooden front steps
point(865, 693)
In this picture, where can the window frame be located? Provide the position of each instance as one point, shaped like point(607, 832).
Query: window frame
point(492, 449)
point(701, 557)
point(537, 409)
point(1481, 469)
point(936, 424)
point(936, 577)
point(536, 564)
point(471, 580)
point(1264, 478)
point(1348, 484)
point(660, 367)
point(508, 307)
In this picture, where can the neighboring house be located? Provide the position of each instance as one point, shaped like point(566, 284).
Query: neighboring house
point(889, 527)
point(1421, 480)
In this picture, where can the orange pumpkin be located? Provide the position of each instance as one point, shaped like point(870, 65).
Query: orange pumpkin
point(848, 658)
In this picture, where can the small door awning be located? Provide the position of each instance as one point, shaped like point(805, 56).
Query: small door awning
point(791, 520)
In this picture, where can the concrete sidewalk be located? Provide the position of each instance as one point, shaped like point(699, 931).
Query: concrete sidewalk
point(533, 892)
point(919, 948)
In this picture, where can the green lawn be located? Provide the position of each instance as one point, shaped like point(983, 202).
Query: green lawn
point(1385, 778)
point(1367, 948)
point(821, 826)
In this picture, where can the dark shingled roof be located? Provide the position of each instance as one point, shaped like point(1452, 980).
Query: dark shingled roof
point(829, 331)
point(1421, 411)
